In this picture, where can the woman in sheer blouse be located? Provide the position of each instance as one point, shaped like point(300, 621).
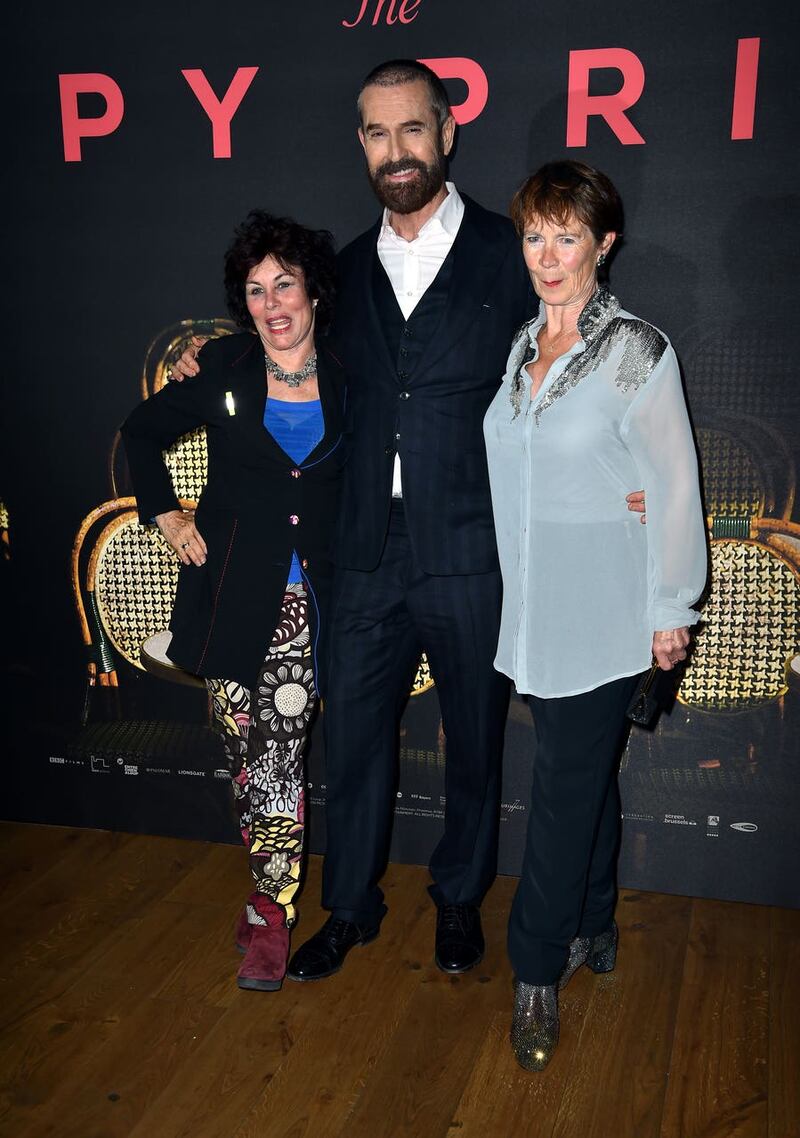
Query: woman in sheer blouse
point(591, 403)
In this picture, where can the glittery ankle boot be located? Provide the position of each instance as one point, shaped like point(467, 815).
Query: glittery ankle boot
point(534, 1026)
point(599, 953)
point(579, 948)
point(603, 952)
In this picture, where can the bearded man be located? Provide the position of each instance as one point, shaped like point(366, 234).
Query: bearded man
point(429, 300)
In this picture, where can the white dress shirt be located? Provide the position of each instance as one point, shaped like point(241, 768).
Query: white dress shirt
point(585, 585)
point(411, 266)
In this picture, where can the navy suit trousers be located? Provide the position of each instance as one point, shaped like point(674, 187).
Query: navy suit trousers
point(379, 623)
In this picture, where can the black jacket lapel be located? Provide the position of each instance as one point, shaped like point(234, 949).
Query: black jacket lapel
point(373, 327)
point(476, 261)
point(249, 390)
point(330, 378)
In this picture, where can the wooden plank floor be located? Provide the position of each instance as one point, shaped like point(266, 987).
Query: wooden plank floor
point(120, 1015)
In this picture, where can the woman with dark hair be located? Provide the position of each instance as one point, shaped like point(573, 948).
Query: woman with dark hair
point(591, 403)
point(256, 556)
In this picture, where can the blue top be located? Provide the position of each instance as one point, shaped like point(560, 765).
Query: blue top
point(297, 428)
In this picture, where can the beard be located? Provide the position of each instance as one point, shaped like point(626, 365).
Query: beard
point(409, 196)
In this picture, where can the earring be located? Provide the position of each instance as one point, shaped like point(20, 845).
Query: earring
point(601, 260)
point(314, 303)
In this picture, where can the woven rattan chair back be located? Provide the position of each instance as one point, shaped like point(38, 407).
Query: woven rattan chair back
point(187, 458)
point(734, 484)
point(728, 366)
point(133, 575)
point(748, 468)
point(750, 630)
point(124, 579)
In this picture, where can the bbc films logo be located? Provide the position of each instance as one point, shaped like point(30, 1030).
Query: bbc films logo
point(66, 761)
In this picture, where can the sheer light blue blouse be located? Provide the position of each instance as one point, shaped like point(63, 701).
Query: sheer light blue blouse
point(585, 584)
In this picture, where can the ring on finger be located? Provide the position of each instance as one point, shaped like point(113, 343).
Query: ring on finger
point(185, 545)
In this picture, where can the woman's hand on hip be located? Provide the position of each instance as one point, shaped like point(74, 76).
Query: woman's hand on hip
point(179, 531)
point(669, 648)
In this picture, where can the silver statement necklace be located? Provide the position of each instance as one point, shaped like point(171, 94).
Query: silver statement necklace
point(291, 378)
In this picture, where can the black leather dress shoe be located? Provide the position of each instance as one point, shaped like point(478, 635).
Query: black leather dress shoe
point(459, 938)
point(324, 953)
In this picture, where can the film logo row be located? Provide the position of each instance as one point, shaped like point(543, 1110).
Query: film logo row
point(713, 822)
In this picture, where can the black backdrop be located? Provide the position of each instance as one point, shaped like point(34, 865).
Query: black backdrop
point(104, 252)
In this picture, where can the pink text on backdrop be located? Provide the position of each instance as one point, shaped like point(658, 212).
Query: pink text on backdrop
point(459, 67)
point(744, 88)
point(580, 104)
point(392, 10)
point(220, 113)
point(73, 127)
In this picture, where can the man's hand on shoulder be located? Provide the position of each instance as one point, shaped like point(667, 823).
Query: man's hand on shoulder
point(187, 366)
point(636, 504)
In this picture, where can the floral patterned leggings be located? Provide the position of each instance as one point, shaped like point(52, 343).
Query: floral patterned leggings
point(264, 735)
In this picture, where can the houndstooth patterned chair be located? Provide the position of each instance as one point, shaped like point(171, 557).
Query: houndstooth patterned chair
point(124, 578)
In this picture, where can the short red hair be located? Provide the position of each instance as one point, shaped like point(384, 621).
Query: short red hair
point(562, 190)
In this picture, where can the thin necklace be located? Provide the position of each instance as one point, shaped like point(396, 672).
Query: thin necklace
point(291, 378)
point(554, 339)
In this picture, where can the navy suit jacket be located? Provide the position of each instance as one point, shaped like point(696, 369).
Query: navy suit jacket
point(434, 417)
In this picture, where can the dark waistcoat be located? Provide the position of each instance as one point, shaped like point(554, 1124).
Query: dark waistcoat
point(406, 339)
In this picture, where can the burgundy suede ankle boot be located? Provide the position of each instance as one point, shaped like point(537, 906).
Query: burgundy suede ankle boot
point(242, 933)
point(264, 964)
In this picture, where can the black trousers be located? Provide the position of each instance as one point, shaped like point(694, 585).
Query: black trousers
point(567, 886)
point(380, 622)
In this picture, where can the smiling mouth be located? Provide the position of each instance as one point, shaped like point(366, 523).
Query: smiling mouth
point(280, 324)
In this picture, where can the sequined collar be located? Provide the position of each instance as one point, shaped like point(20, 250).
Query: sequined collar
point(595, 316)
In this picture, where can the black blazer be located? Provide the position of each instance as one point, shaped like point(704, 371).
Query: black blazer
point(438, 411)
point(226, 611)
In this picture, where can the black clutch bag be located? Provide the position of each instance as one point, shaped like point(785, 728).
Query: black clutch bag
point(654, 693)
